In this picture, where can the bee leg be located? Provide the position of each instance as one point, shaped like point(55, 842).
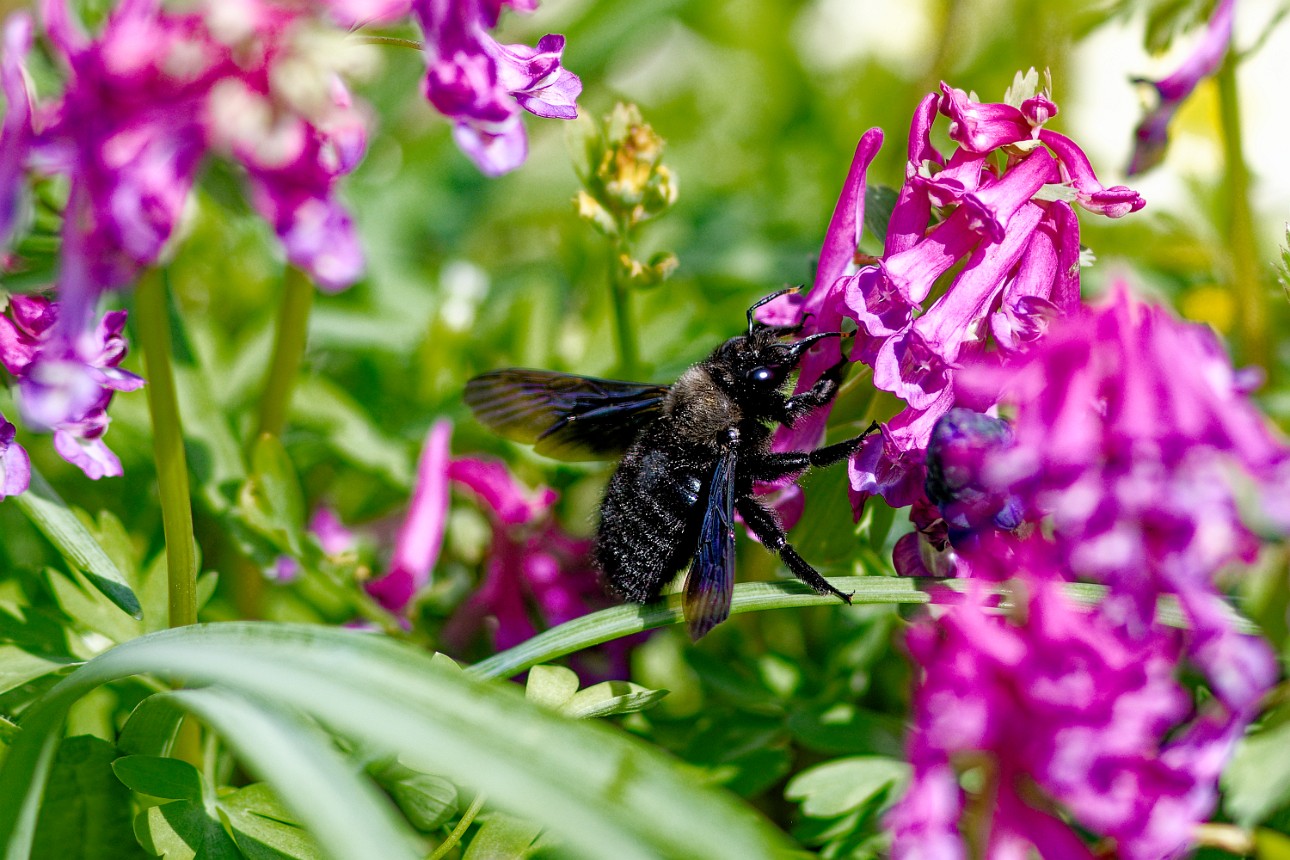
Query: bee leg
point(819, 394)
point(765, 524)
point(776, 464)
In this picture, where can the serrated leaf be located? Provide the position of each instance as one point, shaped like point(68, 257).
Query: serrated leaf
point(17, 667)
point(609, 698)
point(836, 787)
point(551, 686)
point(1257, 780)
point(86, 813)
point(55, 520)
point(158, 776)
point(503, 837)
point(181, 830)
point(262, 827)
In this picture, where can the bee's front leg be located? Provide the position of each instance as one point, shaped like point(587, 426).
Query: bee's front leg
point(770, 465)
point(819, 394)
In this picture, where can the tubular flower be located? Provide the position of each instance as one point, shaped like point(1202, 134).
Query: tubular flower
point(534, 570)
point(1015, 246)
point(15, 465)
point(1141, 470)
point(1152, 134)
point(1059, 710)
point(482, 85)
point(65, 390)
point(1148, 481)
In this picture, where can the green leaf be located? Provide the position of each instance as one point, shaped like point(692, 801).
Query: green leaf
point(551, 686)
point(427, 800)
point(609, 698)
point(88, 609)
point(603, 792)
point(845, 729)
point(263, 829)
point(17, 667)
point(1257, 780)
point(151, 727)
point(270, 502)
point(1271, 845)
point(8, 730)
point(157, 776)
point(836, 787)
point(502, 837)
point(55, 520)
point(879, 201)
point(182, 830)
point(355, 436)
point(86, 813)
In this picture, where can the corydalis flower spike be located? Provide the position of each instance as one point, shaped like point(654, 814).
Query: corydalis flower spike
point(420, 537)
point(1151, 137)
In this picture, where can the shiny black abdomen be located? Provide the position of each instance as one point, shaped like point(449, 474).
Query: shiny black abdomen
point(652, 512)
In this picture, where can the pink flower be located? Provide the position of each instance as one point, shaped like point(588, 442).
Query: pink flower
point(15, 465)
point(482, 85)
point(1133, 464)
point(1152, 134)
point(65, 387)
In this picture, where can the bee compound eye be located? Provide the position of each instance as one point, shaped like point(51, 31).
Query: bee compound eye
point(762, 375)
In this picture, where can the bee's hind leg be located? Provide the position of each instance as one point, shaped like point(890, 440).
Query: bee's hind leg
point(765, 524)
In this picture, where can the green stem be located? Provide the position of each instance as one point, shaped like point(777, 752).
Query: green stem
point(153, 327)
point(467, 818)
point(390, 41)
point(1242, 244)
point(288, 352)
point(621, 298)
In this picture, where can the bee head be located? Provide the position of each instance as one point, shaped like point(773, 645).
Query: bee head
point(758, 364)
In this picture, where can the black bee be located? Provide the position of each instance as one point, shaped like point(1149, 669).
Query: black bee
point(690, 454)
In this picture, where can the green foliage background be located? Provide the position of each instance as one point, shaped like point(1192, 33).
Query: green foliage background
point(799, 712)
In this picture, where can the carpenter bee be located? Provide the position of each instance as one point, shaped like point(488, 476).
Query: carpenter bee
point(691, 453)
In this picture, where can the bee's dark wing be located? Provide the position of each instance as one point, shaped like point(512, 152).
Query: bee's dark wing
point(711, 579)
point(564, 416)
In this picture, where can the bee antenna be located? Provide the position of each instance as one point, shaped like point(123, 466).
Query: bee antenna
point(767, 299)
point(806, 343)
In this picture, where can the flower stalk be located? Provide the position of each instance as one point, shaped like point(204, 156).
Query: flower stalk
point(168, 448)
point(288, 352)
point(1243, 262)
point(624, 330)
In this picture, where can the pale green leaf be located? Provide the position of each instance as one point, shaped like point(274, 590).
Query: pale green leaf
point(55, 520)
point(837, 787)
point(551, 686)
point(609, 698)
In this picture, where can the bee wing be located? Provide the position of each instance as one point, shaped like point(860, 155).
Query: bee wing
point(711, 579)
point(564, 416)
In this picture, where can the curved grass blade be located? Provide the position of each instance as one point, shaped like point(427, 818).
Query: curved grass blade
point(347, 815)
point(50, 514)
point(616, 622)
point(603, 793)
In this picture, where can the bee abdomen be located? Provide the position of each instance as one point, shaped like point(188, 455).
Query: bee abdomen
point(647, 526)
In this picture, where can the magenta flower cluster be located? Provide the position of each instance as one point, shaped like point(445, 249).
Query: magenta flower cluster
point(260, 82)
point(1004, 229)
point(534, 570)
point(1152, 134)
point(1125, 472)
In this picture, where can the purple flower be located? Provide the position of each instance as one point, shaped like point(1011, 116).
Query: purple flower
point(16, 131)
point(416, 548)
point(1133, 462)
point(482, 85)
point(15, 466)
point(67, 387)
point(1058, 710)
point(961, 442)
point(1152, 134)
point(1017, 257)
